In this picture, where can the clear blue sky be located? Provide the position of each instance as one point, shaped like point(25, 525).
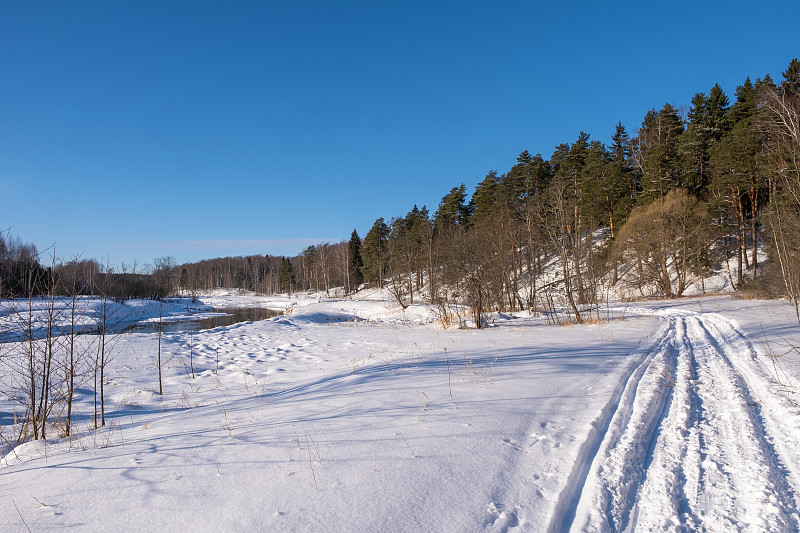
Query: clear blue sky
point(202, 129)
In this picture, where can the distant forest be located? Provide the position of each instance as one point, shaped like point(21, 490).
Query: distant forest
point(655, 211)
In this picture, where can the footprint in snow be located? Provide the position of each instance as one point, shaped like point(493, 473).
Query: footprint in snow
point(536, 439)
point(497, 516)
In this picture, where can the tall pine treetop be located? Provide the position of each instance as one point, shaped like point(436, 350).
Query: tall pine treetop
point(620, 144)
point(791, 77)
point(698, 112)
point(453, 211)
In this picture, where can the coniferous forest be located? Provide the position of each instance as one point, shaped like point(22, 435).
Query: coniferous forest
point(652, 213)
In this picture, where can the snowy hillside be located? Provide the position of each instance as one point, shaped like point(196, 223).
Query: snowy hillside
point(353, 415)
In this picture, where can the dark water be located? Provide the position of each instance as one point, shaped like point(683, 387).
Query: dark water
point(233, 315)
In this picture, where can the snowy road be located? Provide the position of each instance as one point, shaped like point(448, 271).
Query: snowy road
point(689, 446)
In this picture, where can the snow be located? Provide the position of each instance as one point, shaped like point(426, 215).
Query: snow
point(15, 314)
point(355, 415)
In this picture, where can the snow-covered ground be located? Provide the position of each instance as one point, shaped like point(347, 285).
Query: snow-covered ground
point(354, 415)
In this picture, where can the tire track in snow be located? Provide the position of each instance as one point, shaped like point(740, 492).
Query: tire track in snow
point(694, 455)
point(609, 426)
point(741, 485)
point(504, 514)
point(618, 469)
point(763, 481)
point(779, 417)
point(675, 446)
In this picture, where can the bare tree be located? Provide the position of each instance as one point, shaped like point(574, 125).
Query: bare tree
point(160, 335)
point(164, 276)
point(557, 220)
point(36, 325)
point(106, 317)
point(71, 283)
point(782, 112)
point(667, 240)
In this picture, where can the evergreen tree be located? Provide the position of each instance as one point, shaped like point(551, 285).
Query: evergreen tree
point(410, 254)
point(595, 183)
point(560, 154)
point(287, 276)
point(656, 154)
point(791, 78)
point(694, 145)
point(717, 119)
point(514, 187)
point(183, 281)
point(570, 170)
point(620, 144)
point(766, 82)
point(576, 159)
point(698, 112)
point(355, 261)
point(618, 188)
point(738, 188)
point(538, 175)
point(309, 262)
point(524, 181)
point(453, 211)
point(375, 252)
point(420, 234)
point(485, 197)
point(745, 104)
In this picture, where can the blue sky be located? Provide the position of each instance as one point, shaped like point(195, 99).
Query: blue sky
point(134, 130)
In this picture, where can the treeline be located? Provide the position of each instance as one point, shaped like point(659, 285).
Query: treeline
point(20, 271)
point(319, 268)
point(333, 268)
point(656, 212)
point(25, 272)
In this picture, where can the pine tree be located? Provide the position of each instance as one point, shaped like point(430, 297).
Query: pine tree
point(287, 276)
point(694, 145)
point(791, 78)
point(733, 161)
point(620, 144)
point(538, 174)
point(594, 178)
point(514, 186)
point(698, 112)
point(618, 187)
point(375, 252)
point(571, 171)
point(745, 104)
point(560, 154)
point(355, 261)
point(576, 159)
point(717, 120)
point(453, 211)
point(656, 155)
point(485, 197)
point(309, 263)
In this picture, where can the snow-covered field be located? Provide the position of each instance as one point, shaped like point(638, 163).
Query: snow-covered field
point(354, 415)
